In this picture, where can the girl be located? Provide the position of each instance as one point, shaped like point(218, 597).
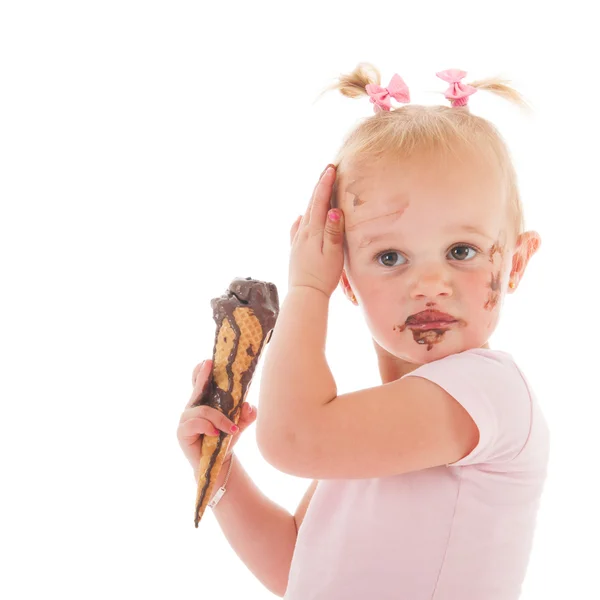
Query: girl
point(428, 486)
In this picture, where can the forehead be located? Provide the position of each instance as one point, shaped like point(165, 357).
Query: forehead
point(438, 189)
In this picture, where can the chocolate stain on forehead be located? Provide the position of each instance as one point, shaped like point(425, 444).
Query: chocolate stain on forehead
point(356, 201)
point(396, 214)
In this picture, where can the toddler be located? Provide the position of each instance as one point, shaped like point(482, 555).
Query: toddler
point(426, 487)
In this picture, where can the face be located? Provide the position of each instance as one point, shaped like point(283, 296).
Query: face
point(420, 237)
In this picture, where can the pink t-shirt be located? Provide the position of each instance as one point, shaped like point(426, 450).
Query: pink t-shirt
point(460, 531)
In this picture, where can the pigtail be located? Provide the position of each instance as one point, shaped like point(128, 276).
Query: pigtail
point(352, 85)
point(496, 85)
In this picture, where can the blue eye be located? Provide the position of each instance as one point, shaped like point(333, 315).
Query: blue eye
point(391, 253)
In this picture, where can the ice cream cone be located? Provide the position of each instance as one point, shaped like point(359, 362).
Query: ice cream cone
point(245, 319)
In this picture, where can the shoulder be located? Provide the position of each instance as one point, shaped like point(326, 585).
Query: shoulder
point(491, 388)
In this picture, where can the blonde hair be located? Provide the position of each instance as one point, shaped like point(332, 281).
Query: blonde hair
point(417, 130)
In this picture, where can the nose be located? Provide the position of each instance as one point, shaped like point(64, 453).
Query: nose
point(431, 284)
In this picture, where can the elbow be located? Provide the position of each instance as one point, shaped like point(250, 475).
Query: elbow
point(287, 454)
point(279, 449)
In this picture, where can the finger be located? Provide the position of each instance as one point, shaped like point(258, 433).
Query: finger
point(248, 414)
point(334, 233)
point(216, 417)
point(244, 423)
point(306, 219)
point(322, 202)
point(294, 229)
point(199, 368)
point(195, 372)
point(191, 429)
point(200, 381)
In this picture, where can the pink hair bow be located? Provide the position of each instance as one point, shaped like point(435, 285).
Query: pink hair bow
point(380, 96)
point(458, 93)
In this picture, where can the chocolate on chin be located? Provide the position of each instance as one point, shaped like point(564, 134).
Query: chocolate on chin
point(245, 317)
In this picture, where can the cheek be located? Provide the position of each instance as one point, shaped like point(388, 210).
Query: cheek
point(478, 283)
point(481, 289)
point(375, 290)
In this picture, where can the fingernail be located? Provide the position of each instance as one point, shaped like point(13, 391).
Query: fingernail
point(328, 168)
point(234, 429)
point(334, 215)
point(249, 408)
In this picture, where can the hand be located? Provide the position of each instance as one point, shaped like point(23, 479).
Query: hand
point(317, 254)
point(198, 421)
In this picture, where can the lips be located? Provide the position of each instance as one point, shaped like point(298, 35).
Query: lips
point(429, 316)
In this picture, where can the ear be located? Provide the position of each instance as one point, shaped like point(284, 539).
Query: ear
point(347, 288)
point(526, 246)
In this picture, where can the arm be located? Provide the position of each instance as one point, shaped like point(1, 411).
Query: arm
point(296, 381)
point(260, 531)
point(409, 424)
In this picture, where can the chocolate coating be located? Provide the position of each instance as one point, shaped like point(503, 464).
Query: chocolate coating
point(263, 299)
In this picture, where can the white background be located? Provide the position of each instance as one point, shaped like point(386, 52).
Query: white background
point(152, 151)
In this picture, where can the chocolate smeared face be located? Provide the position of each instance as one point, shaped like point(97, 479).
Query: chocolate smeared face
point(429, 332)
point(420, 238)
point(245, 317)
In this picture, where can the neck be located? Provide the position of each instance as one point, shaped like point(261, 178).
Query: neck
point(391, 367)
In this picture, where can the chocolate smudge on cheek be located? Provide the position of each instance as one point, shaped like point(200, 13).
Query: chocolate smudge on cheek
point(495, 283)
point(494, 294)
point(431, 337)
point(496, 249)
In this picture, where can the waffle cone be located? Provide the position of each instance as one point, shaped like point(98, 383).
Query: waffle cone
point(234, 359)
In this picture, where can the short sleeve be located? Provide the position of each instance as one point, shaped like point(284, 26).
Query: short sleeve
point(490, 387)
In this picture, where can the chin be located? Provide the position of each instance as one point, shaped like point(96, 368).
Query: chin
point(428, 352)
point(433, 344)
point(429, 348)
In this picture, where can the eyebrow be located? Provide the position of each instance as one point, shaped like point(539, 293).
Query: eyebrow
point(365, 241)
